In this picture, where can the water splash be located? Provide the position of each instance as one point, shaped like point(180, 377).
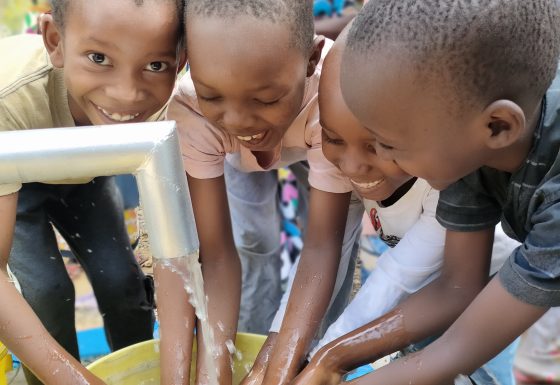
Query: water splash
point(190, 271)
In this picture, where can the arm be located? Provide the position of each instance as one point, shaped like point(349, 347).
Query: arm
point(526, 286)
point(222, 285)
point(220, 266)
point(21, 330)
point(425, 313)
point(312, 287)
point(468, 343)
point(402, 270)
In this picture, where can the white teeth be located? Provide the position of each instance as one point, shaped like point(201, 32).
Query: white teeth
point(367, 185)
point(118, 117)
point(251, 137)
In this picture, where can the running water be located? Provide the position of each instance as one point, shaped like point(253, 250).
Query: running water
point(190, 271)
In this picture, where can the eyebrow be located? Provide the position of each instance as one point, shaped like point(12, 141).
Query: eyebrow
point(171, 54)
point(281, 90)
point(101, 42)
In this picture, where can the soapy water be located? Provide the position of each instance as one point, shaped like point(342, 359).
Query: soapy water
point(190, 271)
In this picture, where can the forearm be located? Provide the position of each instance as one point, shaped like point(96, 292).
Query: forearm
point(8, 204)
point(426, 313)
point(26, 337)
point(176, 318)
point(313, 285)
point(490, 323)
point(222, 285)
point(309, 299)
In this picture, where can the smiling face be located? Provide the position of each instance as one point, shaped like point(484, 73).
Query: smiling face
point(249, 79)
point(413, 123)
point(348, 145)
point(116, 69)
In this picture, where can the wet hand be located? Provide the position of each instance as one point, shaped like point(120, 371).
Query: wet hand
point(315, 374)
point(255, 375)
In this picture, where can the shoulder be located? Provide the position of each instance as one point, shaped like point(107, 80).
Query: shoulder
point(28, 62)
point(31, 89)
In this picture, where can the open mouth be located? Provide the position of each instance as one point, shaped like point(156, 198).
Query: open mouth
point(252, 139)
point(368, 185)
point(118, 116)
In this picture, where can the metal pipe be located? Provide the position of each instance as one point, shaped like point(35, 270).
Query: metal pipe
point(150, 151)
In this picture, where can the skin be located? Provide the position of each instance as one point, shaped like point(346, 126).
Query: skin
point(20, 329)
point(352, 148)
point(108, 67)
point(348, 144)
point(120, 83)
point(246, 88)
point(420, 130)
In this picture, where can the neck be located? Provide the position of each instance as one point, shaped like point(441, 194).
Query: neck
point(399, 193)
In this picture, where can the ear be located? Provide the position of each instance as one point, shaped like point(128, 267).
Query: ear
point(318, 44)
point(505, 124)
point(52, 38)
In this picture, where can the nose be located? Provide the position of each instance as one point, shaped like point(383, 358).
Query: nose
point(236, 119)
point(126, 88)
point(353, 165)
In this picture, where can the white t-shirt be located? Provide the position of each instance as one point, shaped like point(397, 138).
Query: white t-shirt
point(414, 260)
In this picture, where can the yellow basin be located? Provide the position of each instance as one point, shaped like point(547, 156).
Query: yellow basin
point(139, 364)
point(5, 364)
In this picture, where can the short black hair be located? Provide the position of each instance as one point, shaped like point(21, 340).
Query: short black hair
point(60, 7)
point(485, 49)
point(296, 14)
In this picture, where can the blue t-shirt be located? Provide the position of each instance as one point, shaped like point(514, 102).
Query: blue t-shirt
point(527, 203)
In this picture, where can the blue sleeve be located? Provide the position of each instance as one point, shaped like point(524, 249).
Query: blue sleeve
point(532, 273)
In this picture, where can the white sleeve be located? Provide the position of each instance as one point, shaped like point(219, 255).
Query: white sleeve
point(413, 263)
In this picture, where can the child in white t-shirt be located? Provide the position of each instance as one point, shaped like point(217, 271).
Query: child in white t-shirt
point(402, 211)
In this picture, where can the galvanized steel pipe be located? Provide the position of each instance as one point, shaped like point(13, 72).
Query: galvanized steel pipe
point(150, 151)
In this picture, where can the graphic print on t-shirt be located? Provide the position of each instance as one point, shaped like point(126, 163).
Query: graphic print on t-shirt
point(390, 240)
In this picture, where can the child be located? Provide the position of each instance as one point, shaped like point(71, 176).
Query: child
point(455, 90)
point(91, 67)
point(402, 210)
point(249, 106)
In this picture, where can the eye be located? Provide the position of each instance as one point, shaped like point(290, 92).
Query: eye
point(385, 146)
point(327, 139)
point(267, 103)
point(157, 66)
point(208, 99)
point(99, 58)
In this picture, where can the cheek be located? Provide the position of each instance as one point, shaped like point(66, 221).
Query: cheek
point(331, 154)
point(162, 90)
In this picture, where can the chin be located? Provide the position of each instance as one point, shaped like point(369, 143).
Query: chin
point(440, 186)
point(376, 196)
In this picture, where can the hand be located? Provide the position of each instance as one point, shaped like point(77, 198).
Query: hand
point(257, 372)
point(255, 375)
point(316, 374)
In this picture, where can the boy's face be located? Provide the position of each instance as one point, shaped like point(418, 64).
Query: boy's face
point(249, 80)
point(120, 60)
point(349, 145)
point(413, 124)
